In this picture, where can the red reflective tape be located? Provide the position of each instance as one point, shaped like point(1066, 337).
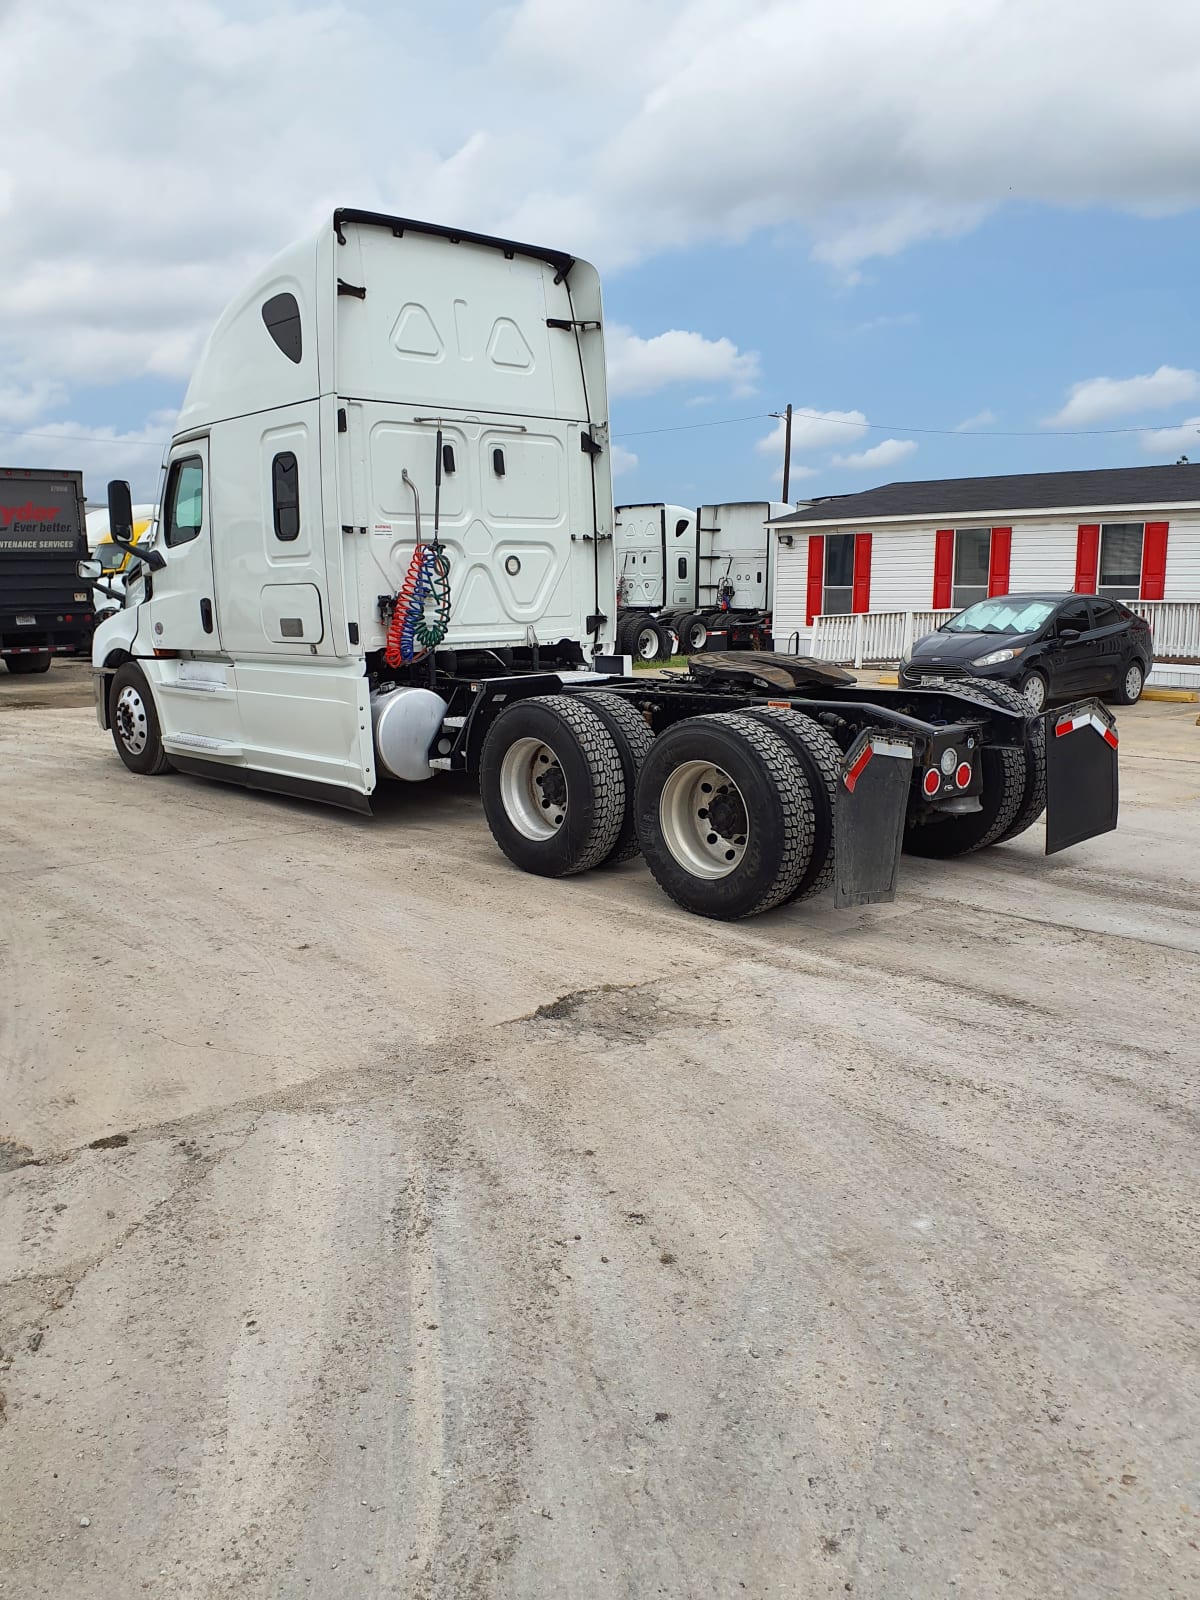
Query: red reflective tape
point(857, 770)
point(1110, 737)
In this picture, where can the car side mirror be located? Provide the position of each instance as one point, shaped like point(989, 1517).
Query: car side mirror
point(1069, 635)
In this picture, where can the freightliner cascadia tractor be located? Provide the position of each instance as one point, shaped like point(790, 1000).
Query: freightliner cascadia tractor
point(386, 552)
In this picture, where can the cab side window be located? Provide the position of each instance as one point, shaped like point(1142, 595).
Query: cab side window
point(185, 501)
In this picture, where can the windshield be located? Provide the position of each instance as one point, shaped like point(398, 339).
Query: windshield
point(1001, 616)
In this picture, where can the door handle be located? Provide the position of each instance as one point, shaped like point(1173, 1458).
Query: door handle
point(206, 616)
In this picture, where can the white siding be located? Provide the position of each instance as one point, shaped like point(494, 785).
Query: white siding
point(1043, 555)
point(902, 569)
point(1183, 557)
point(790, 614)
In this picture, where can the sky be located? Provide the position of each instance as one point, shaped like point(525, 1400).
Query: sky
point(958, 236)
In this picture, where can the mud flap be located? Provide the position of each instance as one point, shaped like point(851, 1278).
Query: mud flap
point(1081, 774)
point(872, 800)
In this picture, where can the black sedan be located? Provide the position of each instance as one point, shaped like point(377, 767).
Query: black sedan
point(1051, 647)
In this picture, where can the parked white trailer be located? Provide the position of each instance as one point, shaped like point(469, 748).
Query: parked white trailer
point(386, 550)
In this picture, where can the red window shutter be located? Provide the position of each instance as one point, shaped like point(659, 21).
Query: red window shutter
point(1087, 557)
point(860, 599)
point(998, 561)
point(816, 575)
point(1154, 560)
point(943, 569)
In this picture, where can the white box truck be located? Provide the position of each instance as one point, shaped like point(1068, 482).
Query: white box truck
point(385, 551)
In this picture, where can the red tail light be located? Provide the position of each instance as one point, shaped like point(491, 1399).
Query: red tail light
point(963, 776)
point(932, 782)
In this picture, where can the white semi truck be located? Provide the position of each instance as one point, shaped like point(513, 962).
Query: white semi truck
point(703, 578)
point(385, 552)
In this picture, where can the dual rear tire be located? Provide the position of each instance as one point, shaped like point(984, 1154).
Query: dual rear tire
point(733, 812)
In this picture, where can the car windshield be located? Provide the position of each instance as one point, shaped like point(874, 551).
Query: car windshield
point(1001, 616)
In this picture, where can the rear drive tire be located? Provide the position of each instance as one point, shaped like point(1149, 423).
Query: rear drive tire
point(650, 641)
point(134, 722)
point(633, 740)
point(26, 666)
point(1033, 797)
point(552, 785)
point(1129, 691)
point(693, 634)
point(752, 855)
point(819, 755)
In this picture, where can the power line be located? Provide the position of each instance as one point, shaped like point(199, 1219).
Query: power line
point(86, 438)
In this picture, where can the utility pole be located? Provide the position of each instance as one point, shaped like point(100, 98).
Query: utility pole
point(786, 418)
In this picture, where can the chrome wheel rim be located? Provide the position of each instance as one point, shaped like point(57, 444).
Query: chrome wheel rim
point(647, 644)
point(533, 789)
point(1133, 682)
point(1035, 693)
point(703, 819)
point(131, 720)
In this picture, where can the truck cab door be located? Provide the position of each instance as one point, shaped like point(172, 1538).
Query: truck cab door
point(180, 613)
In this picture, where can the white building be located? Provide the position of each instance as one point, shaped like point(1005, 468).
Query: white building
point(860, 576)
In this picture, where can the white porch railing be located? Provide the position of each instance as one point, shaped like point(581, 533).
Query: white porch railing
point(876, 637)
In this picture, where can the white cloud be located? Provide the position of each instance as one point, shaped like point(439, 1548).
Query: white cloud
point(1097, 400)
point(1183, 440)
point(643, 366)
point(981, 419)
point(622, 460)
point(884, 454)
point(814, 430)
point(100, 453)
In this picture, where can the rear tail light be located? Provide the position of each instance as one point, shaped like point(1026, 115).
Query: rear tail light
point(963, 776)
point(932, 782)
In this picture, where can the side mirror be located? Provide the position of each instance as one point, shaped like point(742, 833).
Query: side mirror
point(120, 510)
point(89, 570)
point(1069, 635)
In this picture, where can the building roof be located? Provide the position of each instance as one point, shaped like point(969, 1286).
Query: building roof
point(1023, 491)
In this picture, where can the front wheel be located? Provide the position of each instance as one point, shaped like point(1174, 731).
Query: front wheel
point(1034, 691)
point(1129, 690)
point(134, 722)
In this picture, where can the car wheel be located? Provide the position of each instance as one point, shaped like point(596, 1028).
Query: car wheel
point(1129, 690)
point(1034, 691)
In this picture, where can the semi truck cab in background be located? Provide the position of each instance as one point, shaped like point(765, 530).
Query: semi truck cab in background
point(386, 551)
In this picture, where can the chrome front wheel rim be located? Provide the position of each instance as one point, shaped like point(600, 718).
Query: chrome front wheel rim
point(133, 725)
point(1133, 682)
point(533, 789)
point(704, 820)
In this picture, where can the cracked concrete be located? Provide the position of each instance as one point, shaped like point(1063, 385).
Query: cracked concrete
point(375, 1221)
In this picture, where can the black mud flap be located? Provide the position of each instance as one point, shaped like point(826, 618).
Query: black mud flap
point(1081, 774)
point(872, 800)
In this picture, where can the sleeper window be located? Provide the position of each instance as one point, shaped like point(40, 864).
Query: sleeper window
point(285, 496)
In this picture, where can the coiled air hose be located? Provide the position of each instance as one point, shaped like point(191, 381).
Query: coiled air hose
point(421, 613)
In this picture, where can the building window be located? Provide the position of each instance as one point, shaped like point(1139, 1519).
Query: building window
point(285, 495)
point(1121, 560)
point(972, 558)
point(185, 501)
point(838, 593)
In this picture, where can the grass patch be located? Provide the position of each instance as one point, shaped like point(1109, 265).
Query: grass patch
point(676, 664)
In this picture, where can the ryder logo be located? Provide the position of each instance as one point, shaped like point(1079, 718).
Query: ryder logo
point(27, 513)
